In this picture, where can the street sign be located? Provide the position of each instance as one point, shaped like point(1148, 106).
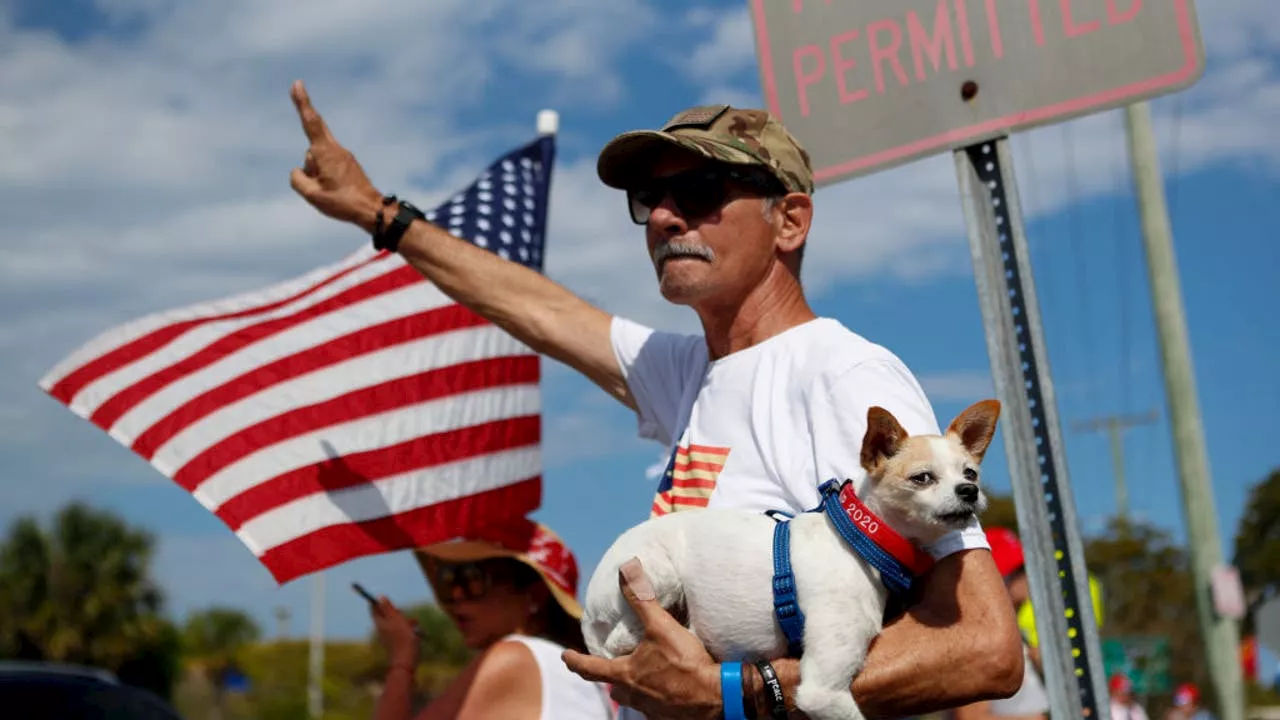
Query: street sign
point(1228, 593)
point(867, 84)
point(1144, 659)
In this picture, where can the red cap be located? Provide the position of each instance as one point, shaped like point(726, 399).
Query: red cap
point(1119, 683)
point(1006, 549)
point(1186, 694)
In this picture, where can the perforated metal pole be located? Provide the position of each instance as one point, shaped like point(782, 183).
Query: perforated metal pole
point(1056, 573)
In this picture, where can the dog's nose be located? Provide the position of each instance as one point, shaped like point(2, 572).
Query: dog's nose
point(968, 492)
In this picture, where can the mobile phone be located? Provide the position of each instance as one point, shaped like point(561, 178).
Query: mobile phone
point(373, 602)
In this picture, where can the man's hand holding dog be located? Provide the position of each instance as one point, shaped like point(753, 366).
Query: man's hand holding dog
point(669, 675)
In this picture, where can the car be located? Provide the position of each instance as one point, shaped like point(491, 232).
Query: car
point(49, 691)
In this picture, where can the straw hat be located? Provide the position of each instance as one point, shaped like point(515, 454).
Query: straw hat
point(523, 540)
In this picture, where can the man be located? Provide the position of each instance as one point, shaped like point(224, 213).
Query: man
point(770, 397)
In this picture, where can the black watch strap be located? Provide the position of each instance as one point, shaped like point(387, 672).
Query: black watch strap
point(387, 234)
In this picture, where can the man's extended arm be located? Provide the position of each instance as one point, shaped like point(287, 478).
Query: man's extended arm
point(532, 308)
point(958, 645)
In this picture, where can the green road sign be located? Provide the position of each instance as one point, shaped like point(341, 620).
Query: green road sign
point(1143, 658)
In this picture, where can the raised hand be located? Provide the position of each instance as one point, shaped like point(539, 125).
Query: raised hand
point(330, 177)
point(669, 675)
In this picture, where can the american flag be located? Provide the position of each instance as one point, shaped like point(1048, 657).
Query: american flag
point(352, 411)
point(689, 479)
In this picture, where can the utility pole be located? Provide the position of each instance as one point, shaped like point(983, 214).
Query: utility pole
point(1114, 426)
point(315, 671)
point(1221, 634)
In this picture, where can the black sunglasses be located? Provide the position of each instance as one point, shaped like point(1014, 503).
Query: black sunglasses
point(698, 192)
point(473, 580)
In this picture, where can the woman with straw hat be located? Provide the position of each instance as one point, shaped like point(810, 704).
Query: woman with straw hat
point(512, 593)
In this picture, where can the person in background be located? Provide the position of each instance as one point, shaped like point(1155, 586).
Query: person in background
point(1027, 621)
point(1186, 704)
point(1123, 706)
point(512, 593)
point(1031, 702)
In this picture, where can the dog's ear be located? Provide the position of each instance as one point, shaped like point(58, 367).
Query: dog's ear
point(976, 426)
point(883, 439)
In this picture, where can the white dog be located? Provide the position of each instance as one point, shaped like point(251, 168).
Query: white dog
point(716, 567)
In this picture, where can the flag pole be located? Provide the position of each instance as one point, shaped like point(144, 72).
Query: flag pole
point(315, 671)
point(548, 122)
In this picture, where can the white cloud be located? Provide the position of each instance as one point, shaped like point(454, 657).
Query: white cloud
point(730, 49)
point(958, 385)
point(152, 172)
point(730, 95)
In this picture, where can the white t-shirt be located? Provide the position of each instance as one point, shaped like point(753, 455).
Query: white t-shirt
point(565, 694)
point(761, 429)
point(1132, 711)
point(1031, 699)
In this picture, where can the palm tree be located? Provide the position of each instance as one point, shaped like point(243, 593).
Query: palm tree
point(215, 635)
point(82, 593)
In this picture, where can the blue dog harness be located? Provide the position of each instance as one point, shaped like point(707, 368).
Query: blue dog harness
point(898, 560)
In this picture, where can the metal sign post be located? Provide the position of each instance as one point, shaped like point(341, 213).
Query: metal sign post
point(1059, 582)
point(869, 84)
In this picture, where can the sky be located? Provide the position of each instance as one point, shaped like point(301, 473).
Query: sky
point(145, 147)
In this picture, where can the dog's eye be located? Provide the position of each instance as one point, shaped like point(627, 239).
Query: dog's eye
point(923, 478)
point(971, 475)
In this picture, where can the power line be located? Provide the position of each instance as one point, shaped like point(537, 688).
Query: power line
point(1114, 426)
point(1084, 314)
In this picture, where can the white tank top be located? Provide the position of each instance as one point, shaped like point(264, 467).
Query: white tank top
point(565, 695)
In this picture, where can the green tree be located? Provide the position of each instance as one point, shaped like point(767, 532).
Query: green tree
point(1000, 512)
point(212, 639)
point(217, 634)
point(1257, 542)
point(1148, 590)
point(81, 592)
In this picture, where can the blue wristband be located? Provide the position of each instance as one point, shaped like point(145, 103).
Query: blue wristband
point(731, 691)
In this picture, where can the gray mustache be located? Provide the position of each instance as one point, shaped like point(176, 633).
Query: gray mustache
point(676, 249)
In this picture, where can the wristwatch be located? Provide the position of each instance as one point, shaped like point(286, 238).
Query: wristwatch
point(388, 237)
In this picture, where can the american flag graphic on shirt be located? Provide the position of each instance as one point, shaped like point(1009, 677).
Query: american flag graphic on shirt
point(352, 411)
point(689, 479)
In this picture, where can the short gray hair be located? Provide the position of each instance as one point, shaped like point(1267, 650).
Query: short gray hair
point(768, 204)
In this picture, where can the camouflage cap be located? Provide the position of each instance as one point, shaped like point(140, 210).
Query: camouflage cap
point(716, 132)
